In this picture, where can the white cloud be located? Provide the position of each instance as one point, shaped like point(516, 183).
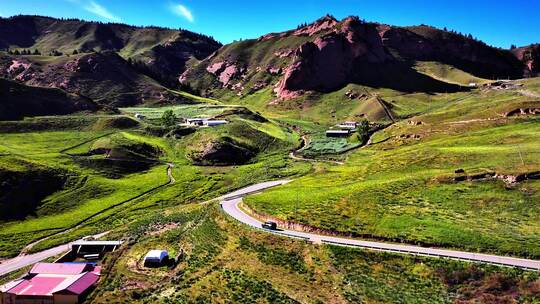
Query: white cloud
point(182, 11)
point(101, 11)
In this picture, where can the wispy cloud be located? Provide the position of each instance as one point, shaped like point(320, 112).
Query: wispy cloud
point(98, 10)
point(182, 11)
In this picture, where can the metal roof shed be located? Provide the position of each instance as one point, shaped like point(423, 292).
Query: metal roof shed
point(156, 256)
point(212, 123)
point(337, 133)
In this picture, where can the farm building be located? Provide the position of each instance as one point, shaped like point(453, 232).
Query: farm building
point(338, 133)
point(88, 248)
point(212, 123)
point(139, 116)
point(348, 125)
point(51, 283)
point(204, 122)
point(195, 121)
point(155, 257)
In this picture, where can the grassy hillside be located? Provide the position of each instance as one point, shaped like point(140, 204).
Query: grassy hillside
point(447, 73)
point(218, 266)
point(403, 187)
point(18, 101)
point(108, 166)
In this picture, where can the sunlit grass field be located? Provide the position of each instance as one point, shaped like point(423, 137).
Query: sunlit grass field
point(403, 189)
point(91, 190)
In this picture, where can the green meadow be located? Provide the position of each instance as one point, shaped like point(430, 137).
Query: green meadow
point(97, 187)
point(249, 266)
point(403, 189)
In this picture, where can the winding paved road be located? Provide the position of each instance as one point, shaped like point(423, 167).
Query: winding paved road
point(21, 261)
point(230, 202)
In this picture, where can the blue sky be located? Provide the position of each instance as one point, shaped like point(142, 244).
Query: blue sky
point(491, 21)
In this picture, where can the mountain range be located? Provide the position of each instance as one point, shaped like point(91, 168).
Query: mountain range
point(119, 65)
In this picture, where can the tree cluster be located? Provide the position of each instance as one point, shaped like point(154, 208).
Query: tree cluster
point(168, 119)
point(24, 52)
point(363, 130)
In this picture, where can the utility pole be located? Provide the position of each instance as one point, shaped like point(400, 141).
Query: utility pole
point(296, 206)
point(520, 156)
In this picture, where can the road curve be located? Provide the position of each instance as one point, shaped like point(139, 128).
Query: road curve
point(229, 204)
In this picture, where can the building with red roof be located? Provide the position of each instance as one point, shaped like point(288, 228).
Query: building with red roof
point(51, 283)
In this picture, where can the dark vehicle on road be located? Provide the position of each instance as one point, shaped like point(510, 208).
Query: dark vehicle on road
point(270, 225)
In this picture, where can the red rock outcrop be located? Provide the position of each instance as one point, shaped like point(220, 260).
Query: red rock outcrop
point(103, 77)
point(325, 23)
point(329, 54)
point(225, 72)
point(328, 62)
point(530, 56)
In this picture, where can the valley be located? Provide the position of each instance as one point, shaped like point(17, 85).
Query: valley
point(148, 142)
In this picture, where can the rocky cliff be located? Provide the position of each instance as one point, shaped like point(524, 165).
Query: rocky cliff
point(530, 56)
point(328, 54)
point(104, 77)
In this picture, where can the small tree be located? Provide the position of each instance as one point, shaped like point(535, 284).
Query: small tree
point(168, 118)
point(75, 52)
point(363, 130)
point(36, 52)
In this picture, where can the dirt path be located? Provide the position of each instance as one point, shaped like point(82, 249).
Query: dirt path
point(386, 110)
point(169, 173)
point(85, 142)
point(529, 93)
point(470, 120)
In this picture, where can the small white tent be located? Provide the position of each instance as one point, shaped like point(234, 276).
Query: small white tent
point(155, 257)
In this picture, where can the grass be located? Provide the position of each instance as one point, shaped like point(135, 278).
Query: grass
point(321, 145)
point(403, 189)
point(447, 73)
point(96, 184)
point(249, 266)
point(185, 111)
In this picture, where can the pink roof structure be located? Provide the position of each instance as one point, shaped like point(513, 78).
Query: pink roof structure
point(77, 284)
point(37, 286)
point(46, 279)
point(59, 268)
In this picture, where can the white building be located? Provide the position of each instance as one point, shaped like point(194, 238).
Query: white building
point(212, 123)
point(348, 125)
point(204, 122)
point(155, 257)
